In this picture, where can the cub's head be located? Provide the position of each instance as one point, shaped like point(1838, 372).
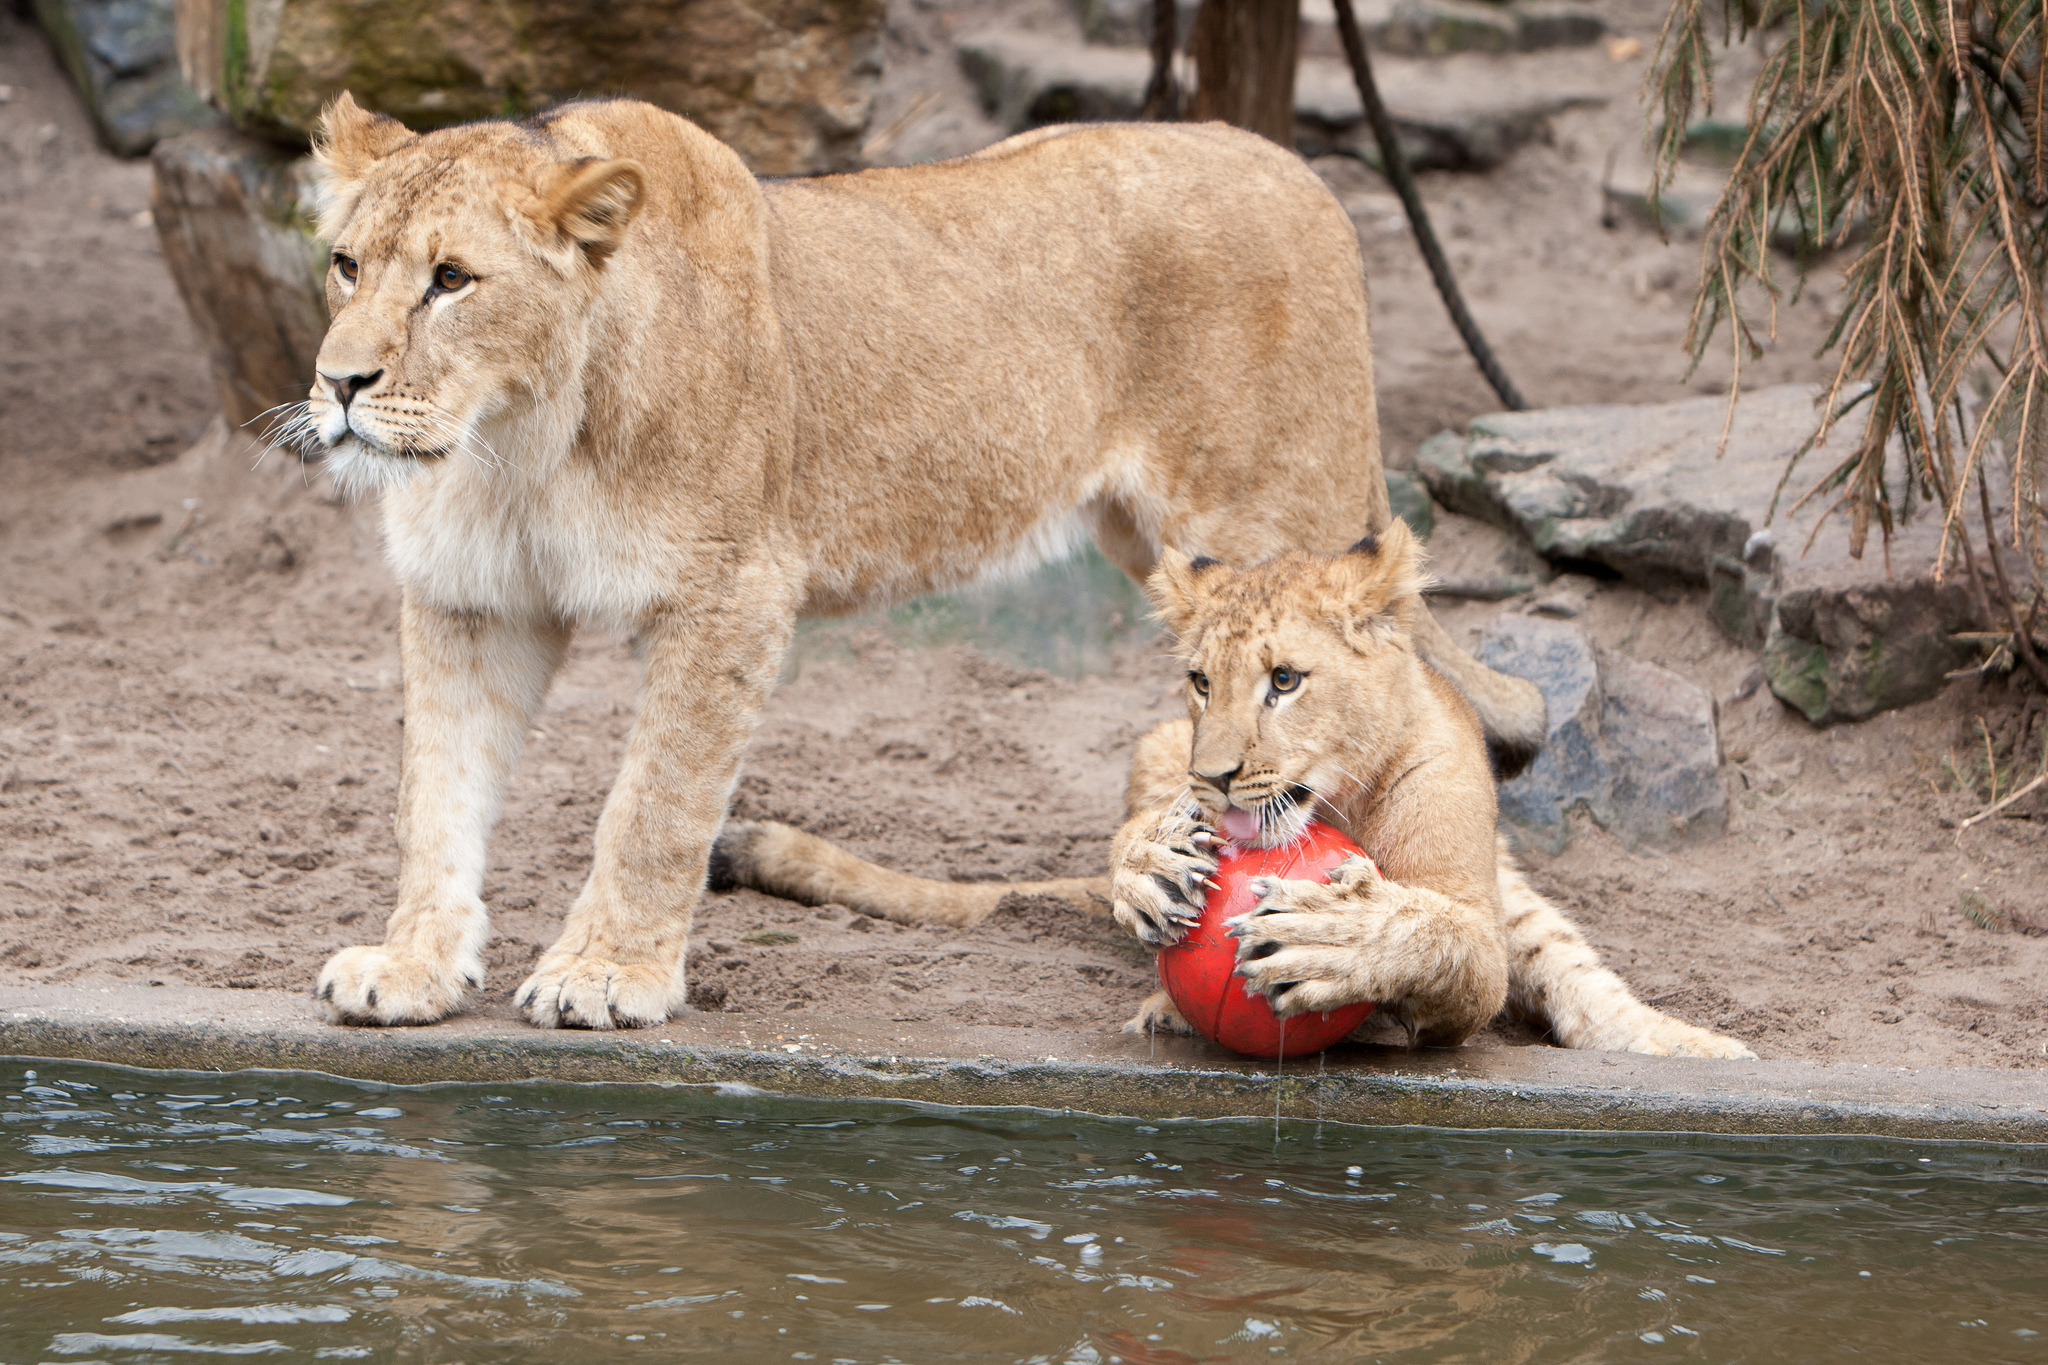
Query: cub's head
point(1298, 670)
point(463, 268)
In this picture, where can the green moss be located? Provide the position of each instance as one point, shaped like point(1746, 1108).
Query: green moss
point(1798, 674)
point(235, 56)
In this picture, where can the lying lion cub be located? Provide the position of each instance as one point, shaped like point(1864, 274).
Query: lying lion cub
point(1306, 698)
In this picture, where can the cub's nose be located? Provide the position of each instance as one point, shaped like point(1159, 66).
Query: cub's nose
point(1220, 781)
point(347, 386)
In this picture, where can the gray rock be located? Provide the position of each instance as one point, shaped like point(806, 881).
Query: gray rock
point(1445, 121)
point(232, 213)
point(1401, 28)
point(1029, 79)
point(1637, 491)
point(1409, 497)
point(121, 56)
point(1632, 744)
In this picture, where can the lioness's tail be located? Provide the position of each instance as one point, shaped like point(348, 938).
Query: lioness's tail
point(783, 861)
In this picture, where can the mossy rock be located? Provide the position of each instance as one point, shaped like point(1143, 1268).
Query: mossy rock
point(788, 84)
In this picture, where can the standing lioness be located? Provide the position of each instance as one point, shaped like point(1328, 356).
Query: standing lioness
point(603, 374)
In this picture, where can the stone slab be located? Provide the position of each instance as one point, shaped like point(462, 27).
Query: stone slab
point(788, 84)
point(1026, 79)
point(1638, 491)
point(1528, 1088)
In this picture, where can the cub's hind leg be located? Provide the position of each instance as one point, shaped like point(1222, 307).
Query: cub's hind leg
point(1555, 980)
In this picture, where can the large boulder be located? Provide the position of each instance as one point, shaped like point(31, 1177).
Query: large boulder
point(1633, 745)
point(121, 56)
point(233, 214)
point(788, 84)
point(1638, 491)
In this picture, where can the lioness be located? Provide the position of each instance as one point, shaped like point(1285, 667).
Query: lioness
point(1306, 698)
point(601, 373)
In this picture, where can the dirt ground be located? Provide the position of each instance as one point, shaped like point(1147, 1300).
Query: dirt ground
point(199, 705)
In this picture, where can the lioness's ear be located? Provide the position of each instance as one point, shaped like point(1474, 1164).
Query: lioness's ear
point(584, 206)
point(352, 139)
point(1175, 587)
point(1378, 585)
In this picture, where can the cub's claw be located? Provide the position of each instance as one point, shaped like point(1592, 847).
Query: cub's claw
point(569, 990)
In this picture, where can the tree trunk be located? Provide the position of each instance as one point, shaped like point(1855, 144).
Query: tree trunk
point(1245, 53)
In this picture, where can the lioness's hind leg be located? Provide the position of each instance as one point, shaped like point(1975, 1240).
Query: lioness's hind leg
point(1158, 1015)
point(1555, 980)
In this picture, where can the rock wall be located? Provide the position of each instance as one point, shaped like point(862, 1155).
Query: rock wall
point(788, 84)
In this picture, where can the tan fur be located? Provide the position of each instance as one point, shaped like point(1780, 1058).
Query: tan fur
point(672, 398)
point(1439, 927)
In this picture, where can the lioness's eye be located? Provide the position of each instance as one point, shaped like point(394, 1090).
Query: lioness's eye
point(1201, 682)
point(449, 278)
point(1285, 679)
point(346, 265)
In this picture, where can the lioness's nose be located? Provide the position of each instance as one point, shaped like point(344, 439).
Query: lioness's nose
point(347, 386)
point(1220, 781)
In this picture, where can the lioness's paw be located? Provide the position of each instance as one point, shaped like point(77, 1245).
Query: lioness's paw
point(1158, 1014)
point(1160, 883)
point(569, 990)
point(374, 985)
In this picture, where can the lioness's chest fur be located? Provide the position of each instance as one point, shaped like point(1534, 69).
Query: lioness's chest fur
point(505, 542)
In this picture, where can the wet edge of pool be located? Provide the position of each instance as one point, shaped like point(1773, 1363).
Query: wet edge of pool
point(1535, 1088)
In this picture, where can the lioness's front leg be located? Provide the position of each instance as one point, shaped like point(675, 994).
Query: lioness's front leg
point(472, 682)
point(1310, 946)
point(619, 961)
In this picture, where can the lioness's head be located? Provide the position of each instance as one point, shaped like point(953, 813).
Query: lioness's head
point(1296, 670)
point(461, 275)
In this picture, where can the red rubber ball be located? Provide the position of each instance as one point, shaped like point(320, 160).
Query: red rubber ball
point(1199, 971)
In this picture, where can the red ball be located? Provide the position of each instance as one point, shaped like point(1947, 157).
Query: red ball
point(1199, 971)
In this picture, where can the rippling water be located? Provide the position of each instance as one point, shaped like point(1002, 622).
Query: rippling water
point(153, 1216)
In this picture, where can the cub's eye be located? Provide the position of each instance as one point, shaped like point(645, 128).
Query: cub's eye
point(449, 278)
point(1201, 682)
point(1285, 679)
point(346, 265)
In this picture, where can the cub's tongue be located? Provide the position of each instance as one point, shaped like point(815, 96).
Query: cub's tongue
point(1239, 826)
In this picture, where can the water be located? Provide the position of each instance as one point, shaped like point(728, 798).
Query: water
point(170, 1217)
point(1070, 618)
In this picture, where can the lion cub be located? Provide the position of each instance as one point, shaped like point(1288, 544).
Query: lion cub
point(1306, 699)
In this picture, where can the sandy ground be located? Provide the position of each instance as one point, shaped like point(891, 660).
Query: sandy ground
point(199, 706)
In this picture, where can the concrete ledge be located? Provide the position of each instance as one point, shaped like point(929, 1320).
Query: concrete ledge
point(196, 1029)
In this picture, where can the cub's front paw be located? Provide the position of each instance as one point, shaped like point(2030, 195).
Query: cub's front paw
point(1158, 1014)
point(570, 990)
point(1302, 944)
point(374, 985)
point(1162, 879)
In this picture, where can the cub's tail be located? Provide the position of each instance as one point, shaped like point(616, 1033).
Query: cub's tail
point(783, 861)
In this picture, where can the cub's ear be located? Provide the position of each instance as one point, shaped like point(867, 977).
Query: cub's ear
point(1377, 586)
point(352, 140)
point(582, 207)
point(1176, 587)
